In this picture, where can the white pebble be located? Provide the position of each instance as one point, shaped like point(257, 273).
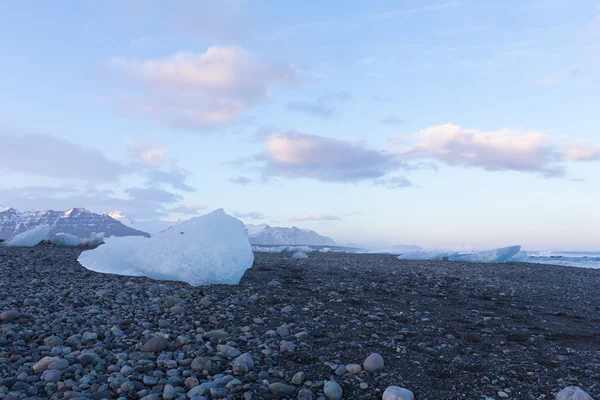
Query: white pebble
point(397, 393)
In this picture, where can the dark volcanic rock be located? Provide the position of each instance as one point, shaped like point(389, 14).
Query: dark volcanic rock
point(445, 330)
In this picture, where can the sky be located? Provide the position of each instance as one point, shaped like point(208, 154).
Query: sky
point(459, 124)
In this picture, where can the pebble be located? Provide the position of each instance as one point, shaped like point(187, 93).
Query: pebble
point(177, 310)
point(169, 392)
point(353, 369)
point(156, 345)
point(397, 393)
point(201, 364)
point(9, 316)
point(59, 364)
point(332, 390)
point(373, 363)
point(43, 364)
point(216, 334)
point(305, 394)
point(51, 376)
point(281, 389)
point(298, 378)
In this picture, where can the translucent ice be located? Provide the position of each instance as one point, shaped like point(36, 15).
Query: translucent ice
point(500, 255)
point(521, 256)
point(300, 254)
point(434, 255)
point(573, 393)
point(30, 237)
point(211, 249)
point(65, 239)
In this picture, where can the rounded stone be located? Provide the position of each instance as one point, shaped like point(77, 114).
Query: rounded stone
point(397, 393)
point(298, 378)
point(200, 364)
point(353, 369)
point(177, 309)
point(156, 345)
point(9, 316)
point(59, 364)
point(333, 390)
point(169, 392)
point(51, 376)
point(281, 389)
point(373, 363)
point(43, 364)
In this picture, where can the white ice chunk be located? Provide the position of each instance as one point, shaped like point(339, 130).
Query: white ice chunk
point(573, 393)
point(434, 255)
point(65, 239)
point(96, 239)
point(521, 256)
point(211, 249)
point(500, 255)
point(300, 254)
point(30, 237)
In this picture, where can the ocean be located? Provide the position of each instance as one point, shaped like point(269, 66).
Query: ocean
point(570, 258)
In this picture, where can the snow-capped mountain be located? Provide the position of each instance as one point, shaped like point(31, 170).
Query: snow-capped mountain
point(76, 221)
point(151, 226)
point(122, 218)
point(273, 236)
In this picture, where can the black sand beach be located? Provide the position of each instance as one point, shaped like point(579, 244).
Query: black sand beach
point(445, 330)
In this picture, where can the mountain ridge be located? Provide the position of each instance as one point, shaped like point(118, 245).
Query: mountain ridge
point(76, 221)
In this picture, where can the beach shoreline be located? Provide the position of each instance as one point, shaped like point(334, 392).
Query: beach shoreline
point(446, 330)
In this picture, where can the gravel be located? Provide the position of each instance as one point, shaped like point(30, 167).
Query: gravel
point(355, 324)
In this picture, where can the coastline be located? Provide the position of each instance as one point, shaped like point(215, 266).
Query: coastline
point(446, 330)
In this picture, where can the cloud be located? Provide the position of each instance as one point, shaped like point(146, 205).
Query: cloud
point(392, 120)
point(582, 153)
point(55, 158)
point(175, 177)
point(187, 209)
point(241, 180)
point(503, 150)
point(153, 195)
point(154, 157)
point(315, 217)
point(150, 154)
point(299, 155)
point(63, 198)
point(250, 215)
point(317, 108)
point(200, 90)
point(395, 182)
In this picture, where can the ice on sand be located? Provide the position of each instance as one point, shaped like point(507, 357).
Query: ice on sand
point(300, 254)
point(521, 256)
point(434, 255)
point(65, 239)
point(500, 255)
point(30, 237)
point(573, 393)
point(211, 249)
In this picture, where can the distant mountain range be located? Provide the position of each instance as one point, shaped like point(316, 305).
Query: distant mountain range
point(152, 226)
point(273, 236)
point(81, 222)
point(76, 221)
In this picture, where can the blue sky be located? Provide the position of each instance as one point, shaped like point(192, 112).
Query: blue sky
point(462, 124)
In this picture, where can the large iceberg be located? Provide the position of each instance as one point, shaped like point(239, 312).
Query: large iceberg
point(211, 249)
point(65, 239)
point(30, 237)
point(500, 255)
